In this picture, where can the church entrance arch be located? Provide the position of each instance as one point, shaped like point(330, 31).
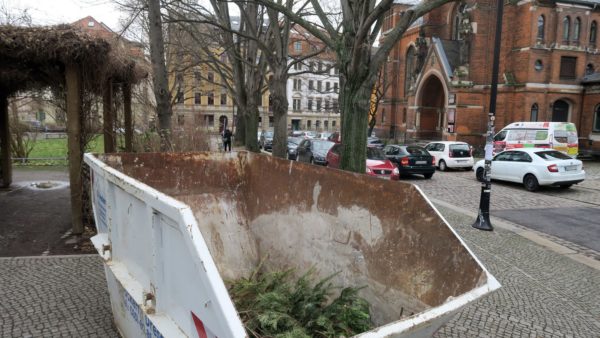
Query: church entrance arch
point(431, 111)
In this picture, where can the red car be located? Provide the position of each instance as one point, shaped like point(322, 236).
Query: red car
point(377, 164)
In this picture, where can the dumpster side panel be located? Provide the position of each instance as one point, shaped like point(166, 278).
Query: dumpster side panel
point(159, 264)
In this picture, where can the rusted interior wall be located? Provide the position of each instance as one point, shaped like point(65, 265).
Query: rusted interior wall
point(376, 233)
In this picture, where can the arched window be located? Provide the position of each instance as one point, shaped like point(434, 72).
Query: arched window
point(566, 27)
point(540, 28)
point(593, 33)
point(411, 59)
point(596, 125)
point(589, 69)
point(576, 29)
point(534, 112)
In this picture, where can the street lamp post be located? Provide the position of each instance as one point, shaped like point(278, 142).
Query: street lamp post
point(483, 218)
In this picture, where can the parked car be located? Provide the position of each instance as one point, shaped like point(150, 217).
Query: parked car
point(335, 137)
point(266, 140)
point(304, 134)
point(411, 159)
point(292, 145)
point(313, 151)
point(377, 164)
point(323, 135)
point(451, 154)
point(534, 167)
point(375, 142)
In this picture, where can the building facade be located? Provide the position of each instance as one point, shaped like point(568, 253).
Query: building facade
point(442, 69)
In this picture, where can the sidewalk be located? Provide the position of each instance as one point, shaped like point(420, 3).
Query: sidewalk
point(544, 292)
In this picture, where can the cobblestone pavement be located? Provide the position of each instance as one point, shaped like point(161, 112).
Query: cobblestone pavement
point(461, 189)
point(543, 294)
point(54, 296)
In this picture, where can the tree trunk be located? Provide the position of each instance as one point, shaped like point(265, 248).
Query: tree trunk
point(108, 117)
point(372, 123)
point(5, 160)
point(161, 86)
point(252, 124)
point(240, 128)
point(127, 117)
point(355, 108)
point(280, 108)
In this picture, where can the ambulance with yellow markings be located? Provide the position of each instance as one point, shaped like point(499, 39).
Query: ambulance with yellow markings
point(561, 136)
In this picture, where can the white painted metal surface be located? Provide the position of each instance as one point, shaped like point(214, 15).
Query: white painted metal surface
point(163, 281)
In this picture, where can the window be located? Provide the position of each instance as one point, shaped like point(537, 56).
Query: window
point(197, 77)
point(383, 116)
point(209, 120)
point(311, 66)
point(319, 85)
point(179, 97)
point(456, 28)
point(197, 98)
point(296, 104)
point(311, 85)
point(596, 125)
point(534, 112)
point(501, 135)
point(540, 28)
point(317, 124)
point(297, 66)
point(568, 66)
point(308, 124)
point(223, 99)
point(335, 105)
point(326, 104)
point(271, 121)
point(332, 124)
point(320, 66)
point(336, 89)
point(211, 77)
point(409, 69)
point(211, 99)
point(319, 104)
point(327, 86)
point(593, 29)
point(297, 84)
point(538, 65)
point(309, 104)
point(576, 29)
point(298, 46)
point(589, 69)
point(566, 27)
point(326, 125)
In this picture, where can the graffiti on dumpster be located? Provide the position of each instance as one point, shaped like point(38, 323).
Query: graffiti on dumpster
point(140, 318)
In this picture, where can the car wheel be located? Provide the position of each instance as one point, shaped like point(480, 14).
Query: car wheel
point(428, 176)
point(442, 165)
point(531, 183)
point(479, 174)
point(565, 186)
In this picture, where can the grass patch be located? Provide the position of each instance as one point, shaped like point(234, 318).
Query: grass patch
point(274, 305)
point(57, 147)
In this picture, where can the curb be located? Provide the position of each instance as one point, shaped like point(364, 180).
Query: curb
point(48, 257)
point(531, 235)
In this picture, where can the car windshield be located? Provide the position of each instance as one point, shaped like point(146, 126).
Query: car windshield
point(416, 151)
point(294, 141)
point(268, 134)
point(323, 145)
point(553, 155)
point(375, 154)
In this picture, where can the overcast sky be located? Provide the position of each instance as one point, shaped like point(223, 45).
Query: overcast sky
point(51, 12)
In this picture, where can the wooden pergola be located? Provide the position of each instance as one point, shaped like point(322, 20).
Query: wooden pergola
point(66, 58)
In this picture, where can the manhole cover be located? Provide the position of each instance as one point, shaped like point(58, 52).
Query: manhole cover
point(47, 185)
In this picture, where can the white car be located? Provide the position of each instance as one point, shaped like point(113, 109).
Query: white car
point(451, 154)
point(534, 167)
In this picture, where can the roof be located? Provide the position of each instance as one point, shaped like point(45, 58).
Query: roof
point(591, 78)
point(36, 57)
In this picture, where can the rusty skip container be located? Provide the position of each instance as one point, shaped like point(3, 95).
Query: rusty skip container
point(173, 226)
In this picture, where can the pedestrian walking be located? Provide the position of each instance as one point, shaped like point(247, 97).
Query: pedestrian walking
point(227, 140)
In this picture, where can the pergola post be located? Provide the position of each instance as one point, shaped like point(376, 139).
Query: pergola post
point(5, 160)
point(73, 84)
point(127, 117)
point(108, 118)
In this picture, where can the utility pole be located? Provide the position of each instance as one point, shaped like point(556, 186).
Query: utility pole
point(483, 218)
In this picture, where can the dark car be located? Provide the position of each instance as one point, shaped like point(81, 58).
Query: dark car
point(292, 146)
point(266, 140)
point(375, 142)
point(411, 160)
point(313, 151)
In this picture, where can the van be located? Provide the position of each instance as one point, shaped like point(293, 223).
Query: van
point(561, 136)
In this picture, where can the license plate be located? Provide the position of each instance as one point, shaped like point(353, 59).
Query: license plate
point(385, 177)
point(571, 168)
point(460, 161)
point(421, 162)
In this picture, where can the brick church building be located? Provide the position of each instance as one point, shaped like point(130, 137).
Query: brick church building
point(437, 78)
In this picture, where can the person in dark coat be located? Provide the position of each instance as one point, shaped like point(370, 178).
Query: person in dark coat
point(227, 140)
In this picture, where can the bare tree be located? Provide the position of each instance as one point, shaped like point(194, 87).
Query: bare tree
point(352, 41)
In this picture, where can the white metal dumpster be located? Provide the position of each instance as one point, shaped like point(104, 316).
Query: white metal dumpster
point(173, 226)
